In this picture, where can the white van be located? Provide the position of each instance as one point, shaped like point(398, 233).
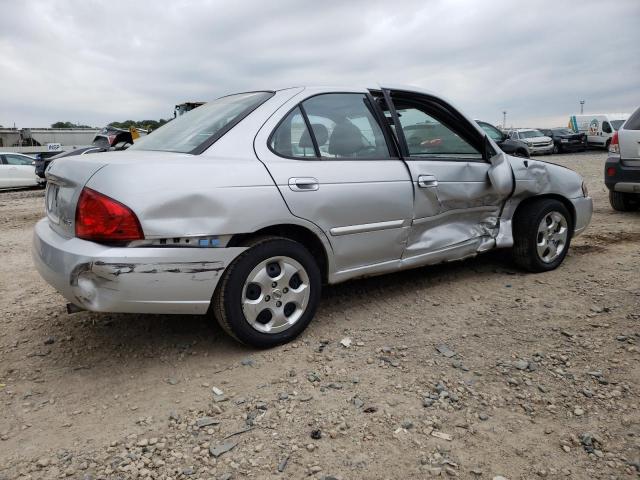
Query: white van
point(598, 127)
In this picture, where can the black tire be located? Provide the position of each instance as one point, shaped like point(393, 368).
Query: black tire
point(522, 153)
point(525, 234)
point(557, 149)
point(606, 145)
point(227, 300)
point(624, 202)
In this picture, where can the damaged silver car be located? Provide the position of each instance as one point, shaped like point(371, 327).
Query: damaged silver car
point(245, 207)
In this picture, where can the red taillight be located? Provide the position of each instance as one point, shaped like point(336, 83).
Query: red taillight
point(611, 171)
point(614, 146)
point(102, 219)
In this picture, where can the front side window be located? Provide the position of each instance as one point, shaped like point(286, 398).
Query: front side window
point(343, 125)
point(201, 126)
point(606, 128)
point(427, 137)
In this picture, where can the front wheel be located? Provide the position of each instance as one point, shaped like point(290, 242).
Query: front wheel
point(624, 202)
point(542, 235)
point(269, 294)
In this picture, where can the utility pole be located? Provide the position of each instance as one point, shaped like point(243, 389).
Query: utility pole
point(581, 107)
point(504, 119)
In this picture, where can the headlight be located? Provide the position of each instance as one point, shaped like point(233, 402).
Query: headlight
point(585, 190)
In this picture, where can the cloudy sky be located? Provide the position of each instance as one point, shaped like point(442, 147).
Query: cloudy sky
point(94, 62)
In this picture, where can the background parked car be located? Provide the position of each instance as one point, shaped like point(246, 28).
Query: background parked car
point(17, 170)
point(598, 127)
point(43, 163)
point(508, 145)
point(622, 168)
point(565, 139)
point(116, 138)
point(536, 141)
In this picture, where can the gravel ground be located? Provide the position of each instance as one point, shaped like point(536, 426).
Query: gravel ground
point(469, 370)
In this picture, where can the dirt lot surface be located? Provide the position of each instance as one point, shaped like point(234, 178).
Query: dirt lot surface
point(468, 370)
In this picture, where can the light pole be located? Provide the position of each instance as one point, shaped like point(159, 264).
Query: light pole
point(581, 107)
point(504, 119)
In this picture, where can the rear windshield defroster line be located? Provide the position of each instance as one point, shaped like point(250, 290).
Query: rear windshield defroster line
point(197, 130)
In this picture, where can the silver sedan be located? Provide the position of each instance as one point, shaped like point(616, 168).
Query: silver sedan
point(243, 208)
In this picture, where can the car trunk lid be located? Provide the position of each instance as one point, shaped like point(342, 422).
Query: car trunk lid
point(65, 180)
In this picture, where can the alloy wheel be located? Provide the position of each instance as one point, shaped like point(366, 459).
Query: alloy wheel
point(275, 294)
point(553, 233)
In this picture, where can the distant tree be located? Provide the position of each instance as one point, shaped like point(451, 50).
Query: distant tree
point(68, 125)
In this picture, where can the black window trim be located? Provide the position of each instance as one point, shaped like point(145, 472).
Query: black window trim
point(429, 102)
point(372, 108)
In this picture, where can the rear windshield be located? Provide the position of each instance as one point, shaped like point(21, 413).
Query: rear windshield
point(196, 130)
point(562, 131)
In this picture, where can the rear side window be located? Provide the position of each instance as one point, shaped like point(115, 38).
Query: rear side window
point(343, 125)
point(292, 138)
point(198, 129)
point(634, 121)
point(18, 160)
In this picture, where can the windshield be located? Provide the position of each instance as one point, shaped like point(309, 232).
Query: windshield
point(530, 133)
point(495, 134)
point(562, 131)
point(616, 124)
point(203, 125)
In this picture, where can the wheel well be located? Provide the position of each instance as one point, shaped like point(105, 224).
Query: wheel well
point(560, 198)
point(293, 232)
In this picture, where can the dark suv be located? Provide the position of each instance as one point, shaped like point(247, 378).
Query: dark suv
point(565, 140)
point(508, 145)
point(622, 169)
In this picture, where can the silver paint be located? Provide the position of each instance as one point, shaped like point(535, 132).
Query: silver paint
point(371, 216)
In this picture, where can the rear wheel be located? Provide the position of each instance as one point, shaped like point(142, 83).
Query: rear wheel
point(269, 294)
point(624, 202)
point(542, 235)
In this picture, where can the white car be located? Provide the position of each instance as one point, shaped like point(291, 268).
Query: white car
point(17, 170)
point(536, 141)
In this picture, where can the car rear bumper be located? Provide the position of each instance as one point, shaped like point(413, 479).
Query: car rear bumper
point(583, 207)
point(133, 280)
point(625, 178)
